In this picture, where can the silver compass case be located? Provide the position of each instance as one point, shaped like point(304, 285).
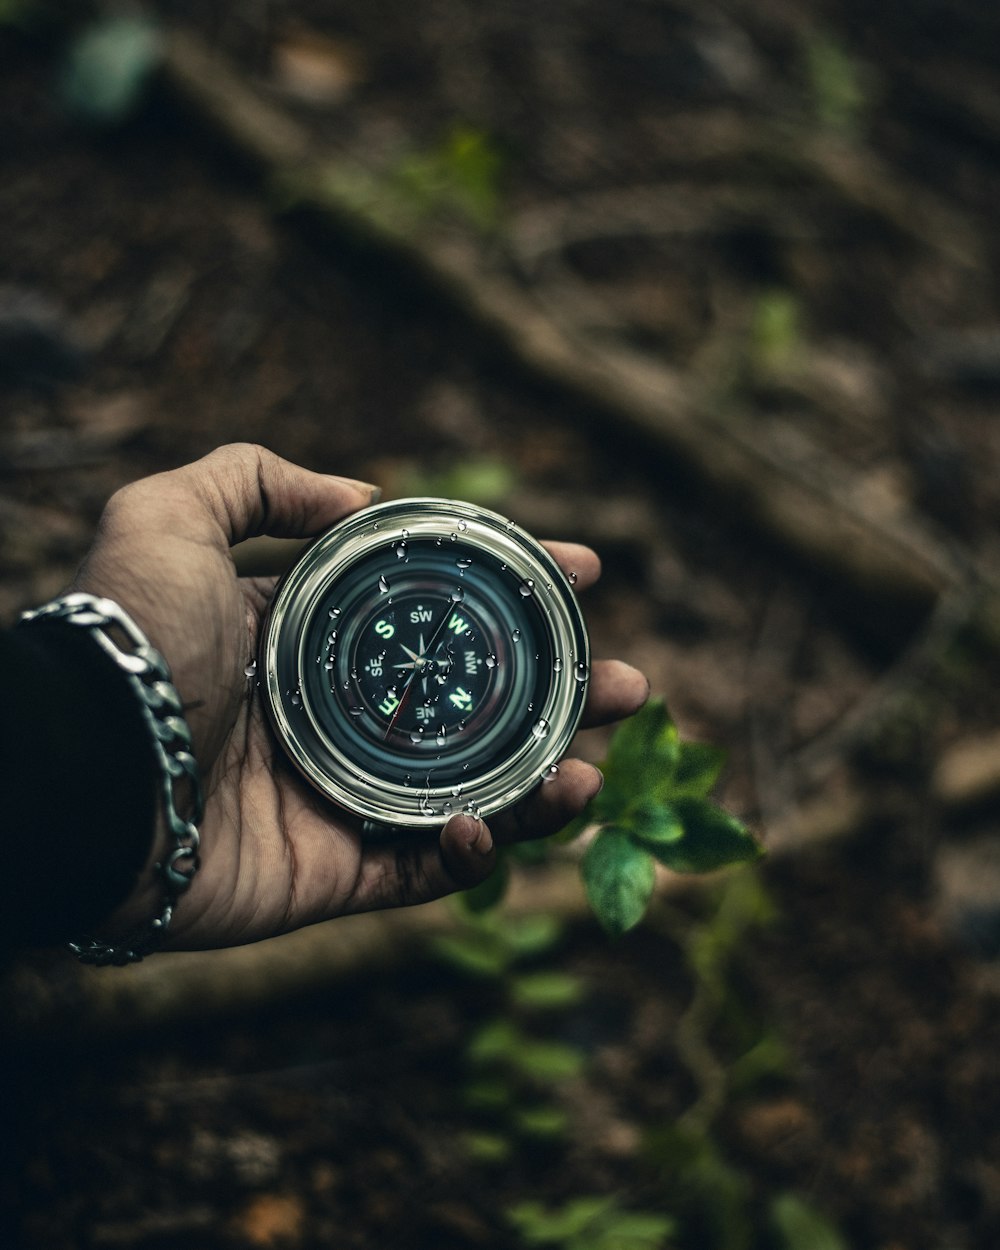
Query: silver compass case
point(422, 657)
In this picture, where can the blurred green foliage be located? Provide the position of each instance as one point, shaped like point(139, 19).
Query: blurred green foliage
point(590, 1224)
point(486, 481)
point(776, 332)
point(461, 175)
point(107, 68)
point(18, 14)
point(837, 85)
point(512, 1063)
point(800, 1227)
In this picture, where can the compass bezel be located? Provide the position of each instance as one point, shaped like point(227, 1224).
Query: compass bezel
point(285, 654)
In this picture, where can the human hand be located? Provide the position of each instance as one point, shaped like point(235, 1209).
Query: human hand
point(274, 854)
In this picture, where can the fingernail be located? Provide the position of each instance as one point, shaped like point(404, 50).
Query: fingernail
point(482, 841)
point(373, 492)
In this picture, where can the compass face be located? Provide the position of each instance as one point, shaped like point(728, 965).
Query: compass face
point(424, 657)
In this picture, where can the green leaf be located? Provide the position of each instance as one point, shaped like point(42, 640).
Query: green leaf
point(570, 832)
point(542, 1122)
point(540, 1225)
point(697, 771)
point(488, 1147)
point(712, 838)
point(546, 990)
point(636, 1230)
point(487, 1094)
point(495, 1041)
point(536, 851)
point(655, 824)
point(767, 1059)
point(487, 893)
point(474, 954)
point(546, 1061)
point(618, 875)
point(108, 68)
point(641, 758)
point(801, 1227)
point(532, 935)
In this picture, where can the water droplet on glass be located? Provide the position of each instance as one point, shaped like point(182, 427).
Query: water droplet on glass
point(407, 780)
point(329, 664)
point(334, 613)
point(332, 638)
point(355, 711)
point(296, 697)
point(464, 563)
point(251, 669)
point(425, 805)
point(540, 728)
point(458, 594)
point(456, 791)
point(526, 588)
point(463, 526)
point(375, 526)
point(573, 579)
point(405, 533)
point(550, 773)
point(472, 809)
point(400, 550)
point(442, 734)
point(557, 664)
point(581, 672)
point(516, 635)
point(446, 809)
point(438, 542)
point(416, 735)
point(491, 660)
point(383, 584)
point(354, 674)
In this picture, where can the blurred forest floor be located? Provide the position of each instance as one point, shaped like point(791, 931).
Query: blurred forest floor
point(712, 287)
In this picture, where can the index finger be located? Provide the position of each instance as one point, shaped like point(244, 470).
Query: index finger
point(580, 564)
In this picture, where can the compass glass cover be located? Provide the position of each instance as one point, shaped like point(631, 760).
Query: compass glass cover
point(425, 657)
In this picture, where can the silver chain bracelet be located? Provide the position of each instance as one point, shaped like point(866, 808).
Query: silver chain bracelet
point(149, 676)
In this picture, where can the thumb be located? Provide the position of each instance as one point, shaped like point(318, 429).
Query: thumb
point(249, 490)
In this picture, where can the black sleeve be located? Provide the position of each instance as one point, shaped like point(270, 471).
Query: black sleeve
point(77, 788)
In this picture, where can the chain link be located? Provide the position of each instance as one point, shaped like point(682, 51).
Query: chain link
point(149, 676)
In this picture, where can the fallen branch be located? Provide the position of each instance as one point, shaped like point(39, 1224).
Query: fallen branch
point(172, 989)
point(768, 470)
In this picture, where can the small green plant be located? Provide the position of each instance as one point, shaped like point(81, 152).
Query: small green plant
point(512, 1066)
point(591, 1223)
point(654, 808)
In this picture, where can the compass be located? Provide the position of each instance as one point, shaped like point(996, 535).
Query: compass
point(423, 657)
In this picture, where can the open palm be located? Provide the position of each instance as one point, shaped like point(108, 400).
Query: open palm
point(274, 854)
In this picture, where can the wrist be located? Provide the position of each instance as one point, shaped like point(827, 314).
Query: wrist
point(149, 679)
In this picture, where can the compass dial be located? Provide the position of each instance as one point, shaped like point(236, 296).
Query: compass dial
point(425, 657)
